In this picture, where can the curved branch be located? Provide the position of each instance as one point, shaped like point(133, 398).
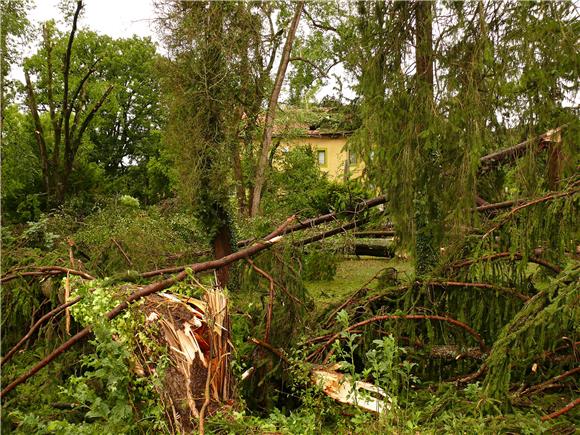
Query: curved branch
point(509, 255)
point(45, 271)
point(573, 190)
point(454, 322)
point(481, 285)
point(561, 411)
point(34, 327)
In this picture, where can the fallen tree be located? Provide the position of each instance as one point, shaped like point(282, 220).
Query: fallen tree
point(276, 236)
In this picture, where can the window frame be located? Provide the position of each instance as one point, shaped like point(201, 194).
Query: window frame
point(325, 151)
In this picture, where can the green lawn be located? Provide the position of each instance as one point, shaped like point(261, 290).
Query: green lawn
point(352, 273)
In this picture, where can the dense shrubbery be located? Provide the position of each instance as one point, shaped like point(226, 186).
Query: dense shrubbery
point(297, 185)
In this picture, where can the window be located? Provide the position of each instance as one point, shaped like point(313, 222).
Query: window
point(352, 159)
point(321, 154)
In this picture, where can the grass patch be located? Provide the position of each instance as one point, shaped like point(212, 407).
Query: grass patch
point(351, 274)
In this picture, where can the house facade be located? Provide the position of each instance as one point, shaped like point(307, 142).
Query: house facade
point(329, 149)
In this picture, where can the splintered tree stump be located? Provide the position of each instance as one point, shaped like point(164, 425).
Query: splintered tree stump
point(195, 334)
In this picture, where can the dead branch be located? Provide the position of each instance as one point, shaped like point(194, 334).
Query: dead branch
point(270, 299)
point(155, 287)
point(34, 327)
point(44, 271)
point(561, 411)
point(382, 318)
point(547, 384)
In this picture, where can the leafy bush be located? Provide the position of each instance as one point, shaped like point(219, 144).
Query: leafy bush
point(297, 185)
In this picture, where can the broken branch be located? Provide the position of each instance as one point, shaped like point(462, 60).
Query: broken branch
point(454, 322)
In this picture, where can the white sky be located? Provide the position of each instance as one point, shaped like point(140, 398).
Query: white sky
point(117, 18)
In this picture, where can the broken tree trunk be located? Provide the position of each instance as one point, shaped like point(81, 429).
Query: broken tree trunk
point(374, 249)
point(538, 143)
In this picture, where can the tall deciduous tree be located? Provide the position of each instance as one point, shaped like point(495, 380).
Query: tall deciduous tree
point(271, 112)
point(71, 109)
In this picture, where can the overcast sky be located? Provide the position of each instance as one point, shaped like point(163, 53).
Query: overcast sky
point(118, 18)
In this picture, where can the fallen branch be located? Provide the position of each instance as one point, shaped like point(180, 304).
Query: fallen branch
point(473, 376)
point(573, 190)
point(547, 384)
point(330, 233)
point(34, 327)
point(455, 322)
point(513, 256)
point(494, 159)
point(561, 411)
point(498, 205)
point(44, 271)
point(309, 223)
point(155, 287)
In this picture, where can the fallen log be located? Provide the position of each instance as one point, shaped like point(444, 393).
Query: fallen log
point(374, 234)
point(374, 250)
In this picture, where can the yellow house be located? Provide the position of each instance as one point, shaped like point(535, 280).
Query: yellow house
point(329, 150)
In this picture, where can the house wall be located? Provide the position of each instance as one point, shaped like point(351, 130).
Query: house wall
point(335, 155)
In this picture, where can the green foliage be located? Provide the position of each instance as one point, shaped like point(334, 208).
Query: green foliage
point(297, 185)
point(106, 394)
point(537, 327)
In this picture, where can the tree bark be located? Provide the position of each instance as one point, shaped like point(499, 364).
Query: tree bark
point(271, 112)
